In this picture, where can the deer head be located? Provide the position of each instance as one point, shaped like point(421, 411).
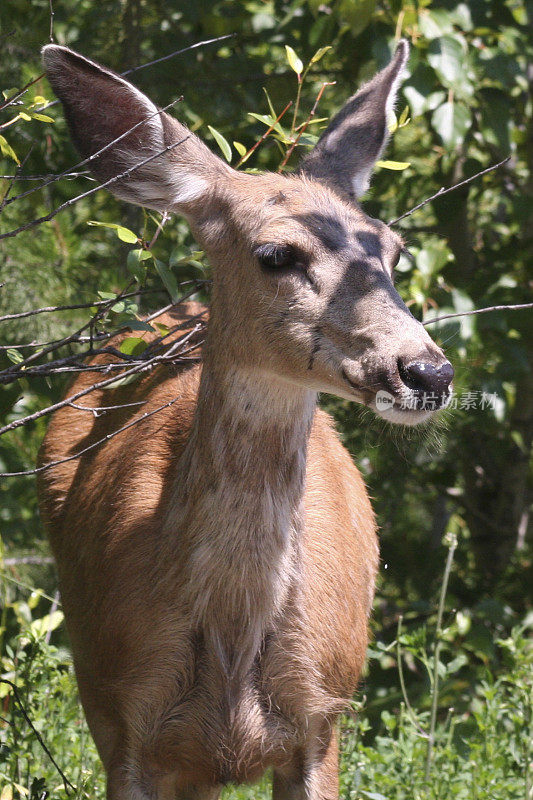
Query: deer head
point(303, 278)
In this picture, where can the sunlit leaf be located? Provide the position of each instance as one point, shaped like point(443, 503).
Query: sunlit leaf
point(294, 62)
point(319, 53)
point(240, 148)
point(14, 356)
point(396, 165)
point(133, 346)
point(222, 143)
point(451, 121)
point(41, 117)
point(7, 150)
point(40, 627)
point(447, 57)
point(124, 234)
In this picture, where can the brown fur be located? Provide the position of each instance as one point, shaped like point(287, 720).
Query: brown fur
point(145, 675)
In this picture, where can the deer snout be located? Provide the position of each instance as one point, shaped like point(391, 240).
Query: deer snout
point(429, 381)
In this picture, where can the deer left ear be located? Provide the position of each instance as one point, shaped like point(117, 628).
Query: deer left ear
point(345, 155)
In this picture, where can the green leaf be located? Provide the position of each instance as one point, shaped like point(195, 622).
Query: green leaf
point(14, 356)
point(7, 150)
point(447, 57)
point(270, 122)
point(40, 627)
point(124, 234)
point(40, 117)
point(294, 62)
point(135, 324)
point(222, 143)
point(270, 104)
point(133, 346)
point(451, 121)
point(168, 279)
point(404, 117)
point(357, 13)
point(240, 148)
point(134, 263)
point(319, 53)
point(434, 23)
point(396, 165)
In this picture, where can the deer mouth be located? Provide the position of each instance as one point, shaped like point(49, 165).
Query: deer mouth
point(401, 408)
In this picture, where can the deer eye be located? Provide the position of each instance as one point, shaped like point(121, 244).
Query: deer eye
point(274, 257)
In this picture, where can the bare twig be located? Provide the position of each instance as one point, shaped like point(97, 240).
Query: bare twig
point(94, 304)
point(442, 191)
point(53, 609)
point(161, 224)
point(99, 410)
point(517, 307)
point(73, 200)
point(51, 177)
point(26, 716)
point(59, 342)
point(178, 52)
point(80, 453)
point(72, 337)
point(137, 369)
point(38, 561)
point(20, 92)
point(305, 125)
point(11, 183)
point(51, 21)
point(247, 155)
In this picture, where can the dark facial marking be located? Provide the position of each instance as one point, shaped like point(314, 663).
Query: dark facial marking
point(317, 341)
point(370, 242)
point(329, 230)
point(280, 197)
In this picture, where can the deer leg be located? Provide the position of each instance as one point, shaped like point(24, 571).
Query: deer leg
point(314, 775)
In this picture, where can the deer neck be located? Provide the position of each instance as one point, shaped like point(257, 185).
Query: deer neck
point(245, 467)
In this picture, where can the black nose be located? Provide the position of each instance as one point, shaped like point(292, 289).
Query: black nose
point(431, 382)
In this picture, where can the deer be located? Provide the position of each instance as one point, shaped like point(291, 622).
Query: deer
point(217, 560)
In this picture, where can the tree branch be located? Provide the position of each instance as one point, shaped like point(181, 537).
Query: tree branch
point(442, 191)
point(517, 307)
point(137, 369)
point(80, 453)
point(73, 200)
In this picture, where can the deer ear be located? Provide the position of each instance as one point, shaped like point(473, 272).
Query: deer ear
point(345, 155)
point(100, 107)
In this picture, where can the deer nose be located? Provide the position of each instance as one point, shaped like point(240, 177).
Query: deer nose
point(426, 378)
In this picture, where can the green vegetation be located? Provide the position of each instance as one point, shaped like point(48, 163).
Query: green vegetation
point(465, 105)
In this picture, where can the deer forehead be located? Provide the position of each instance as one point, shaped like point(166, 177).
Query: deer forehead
point(298, 211)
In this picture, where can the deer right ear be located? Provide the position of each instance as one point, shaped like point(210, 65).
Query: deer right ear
point(101, 106)
point(345, 154)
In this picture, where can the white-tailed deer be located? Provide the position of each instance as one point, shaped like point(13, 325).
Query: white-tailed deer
point(217, 559)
